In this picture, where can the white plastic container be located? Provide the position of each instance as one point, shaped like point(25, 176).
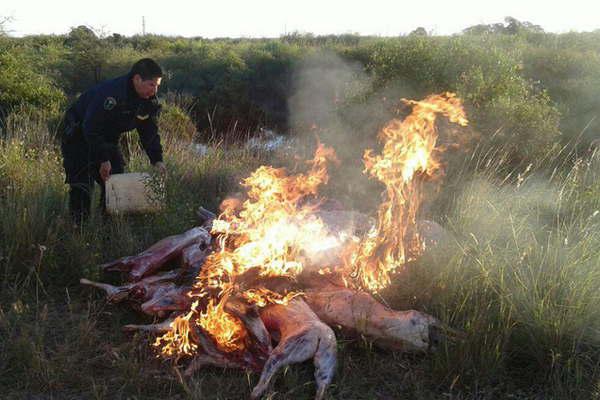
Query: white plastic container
point(131, 193)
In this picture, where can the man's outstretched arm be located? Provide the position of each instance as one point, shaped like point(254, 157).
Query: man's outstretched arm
point(147, 127)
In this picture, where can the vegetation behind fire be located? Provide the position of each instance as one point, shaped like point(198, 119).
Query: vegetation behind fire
point(519, 276)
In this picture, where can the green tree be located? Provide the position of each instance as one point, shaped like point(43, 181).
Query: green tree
point(511, 26)
point(21, 85)
point(88, 55)
point(420, 31)
point(514, 26)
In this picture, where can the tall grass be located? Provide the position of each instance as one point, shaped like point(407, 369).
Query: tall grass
point(519, 277)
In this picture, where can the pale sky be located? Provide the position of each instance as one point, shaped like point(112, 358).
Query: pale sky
point(271, 18)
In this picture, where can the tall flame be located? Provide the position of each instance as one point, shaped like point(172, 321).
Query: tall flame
point(409, 155)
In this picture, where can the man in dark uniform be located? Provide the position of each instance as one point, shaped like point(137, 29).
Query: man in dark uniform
point(93, 126)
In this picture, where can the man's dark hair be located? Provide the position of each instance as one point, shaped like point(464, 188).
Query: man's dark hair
point(147, 68)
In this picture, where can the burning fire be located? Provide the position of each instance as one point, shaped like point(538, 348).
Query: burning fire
point(268, 235)
point(264, 235)
point(409, 155)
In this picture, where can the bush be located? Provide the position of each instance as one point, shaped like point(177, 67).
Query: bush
point(21, 84)
point(485, 75)
point(175, 124)
point(571, 77)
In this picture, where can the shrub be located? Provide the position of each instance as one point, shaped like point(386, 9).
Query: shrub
point(21, 84)
point(175, 124)
point(486, 75)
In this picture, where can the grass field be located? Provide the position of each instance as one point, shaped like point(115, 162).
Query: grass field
point(519, 276)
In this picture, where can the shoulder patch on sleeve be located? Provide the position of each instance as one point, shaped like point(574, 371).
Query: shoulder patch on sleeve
point(109, 103)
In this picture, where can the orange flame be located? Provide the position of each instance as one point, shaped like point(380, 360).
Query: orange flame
point(177, 341)
point(409, 154)
point(261, 297)
point(267, 233)
point(227, 330)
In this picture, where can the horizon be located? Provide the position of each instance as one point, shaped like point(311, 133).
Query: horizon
point(271, 19)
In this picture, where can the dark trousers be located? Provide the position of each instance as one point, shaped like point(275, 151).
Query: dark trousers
point(82, 172)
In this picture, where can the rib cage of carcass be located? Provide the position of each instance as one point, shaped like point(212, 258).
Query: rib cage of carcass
point(260, 286)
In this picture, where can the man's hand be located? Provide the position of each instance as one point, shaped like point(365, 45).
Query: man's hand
point(161, 167)
point(105, 168)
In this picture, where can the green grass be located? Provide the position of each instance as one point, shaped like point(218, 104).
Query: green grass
point(519, 277)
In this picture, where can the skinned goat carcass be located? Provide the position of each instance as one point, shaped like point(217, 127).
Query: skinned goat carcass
point(301, 327)
point(167, 298)
point(157, 298)
point(302, 336)
point(191, 260)
point(360, 313)
point(260, 339)
point(210, 354)
point(138, 291)
point(256, 350)
point(165, 250)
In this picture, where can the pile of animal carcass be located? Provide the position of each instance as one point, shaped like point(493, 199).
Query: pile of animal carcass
point(260, 286)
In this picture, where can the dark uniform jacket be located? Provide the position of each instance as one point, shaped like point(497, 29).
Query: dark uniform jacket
point(99, 116)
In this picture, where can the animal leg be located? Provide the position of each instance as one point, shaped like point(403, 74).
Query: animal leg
point(114, 294)
point(295, 349)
